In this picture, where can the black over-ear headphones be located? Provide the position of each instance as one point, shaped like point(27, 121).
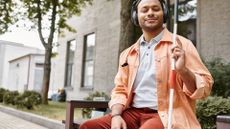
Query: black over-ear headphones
point(134, 17)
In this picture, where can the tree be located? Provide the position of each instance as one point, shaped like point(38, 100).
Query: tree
point(129, 32)
point(51, 15)
point(6, 15)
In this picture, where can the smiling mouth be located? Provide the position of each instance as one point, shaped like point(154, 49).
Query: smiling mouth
point(151, 20)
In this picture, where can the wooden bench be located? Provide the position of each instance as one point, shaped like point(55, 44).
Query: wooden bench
point(72, 104)
point(223, 122)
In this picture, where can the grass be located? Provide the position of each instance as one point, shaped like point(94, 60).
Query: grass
point(54, 110)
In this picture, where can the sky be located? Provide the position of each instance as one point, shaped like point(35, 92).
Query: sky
point(22, 35)
point(19, 35)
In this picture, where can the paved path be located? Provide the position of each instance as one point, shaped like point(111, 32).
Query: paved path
point(12, 122)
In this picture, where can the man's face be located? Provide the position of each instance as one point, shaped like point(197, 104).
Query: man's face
point(150, 15)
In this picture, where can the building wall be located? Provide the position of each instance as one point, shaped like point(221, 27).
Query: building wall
point(35, 75)
point(22, 73)
point(102, 18)
point(9, 51)
point(213, 27)
point(2, 55)
point(54, 82)
point(18, 75)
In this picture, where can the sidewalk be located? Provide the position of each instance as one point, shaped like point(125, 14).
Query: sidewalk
point(12, 122)
point(14, 119)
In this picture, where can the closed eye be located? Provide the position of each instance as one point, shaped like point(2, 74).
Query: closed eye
point(156, 8)
point(143, 10)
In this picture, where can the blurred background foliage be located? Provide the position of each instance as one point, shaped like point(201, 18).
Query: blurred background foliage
point(219, 101)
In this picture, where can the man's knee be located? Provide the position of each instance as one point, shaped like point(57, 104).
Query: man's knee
point(98, 123)
point(87, 125)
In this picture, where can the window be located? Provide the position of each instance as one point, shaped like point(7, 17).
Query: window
point(71, 47)
point(38, 77)
point(88, 60)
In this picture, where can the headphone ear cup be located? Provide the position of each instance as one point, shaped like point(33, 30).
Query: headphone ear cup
point(165, 12)
point(135, 18)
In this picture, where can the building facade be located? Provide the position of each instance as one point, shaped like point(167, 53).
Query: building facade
point(213, 35)
point(87, 60)
point(26, 73)
point(10, 51)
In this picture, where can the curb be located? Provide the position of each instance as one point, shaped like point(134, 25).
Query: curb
point(43, 121)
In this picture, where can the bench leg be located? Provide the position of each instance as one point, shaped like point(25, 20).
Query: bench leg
point(69, 116)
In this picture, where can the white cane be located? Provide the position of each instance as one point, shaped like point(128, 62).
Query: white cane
point(173, 72)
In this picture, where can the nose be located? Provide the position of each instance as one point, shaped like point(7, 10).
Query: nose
point(150, 12)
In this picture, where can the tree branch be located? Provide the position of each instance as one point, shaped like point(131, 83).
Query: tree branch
point(39, 16)
point(53, 20)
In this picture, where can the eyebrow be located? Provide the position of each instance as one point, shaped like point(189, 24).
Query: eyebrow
point(149, 6)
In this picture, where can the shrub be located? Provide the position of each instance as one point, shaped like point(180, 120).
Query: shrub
point(19, 101)
point(208, 110)
point(97, 94)
point(86, 112)
point(10, 97)
point(221, 74)
point(34, 96)
point(29, 99)
point(2, 92)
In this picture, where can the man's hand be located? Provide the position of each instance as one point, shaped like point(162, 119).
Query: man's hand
point(187, 76)
point(118, 123)
point(179, 55)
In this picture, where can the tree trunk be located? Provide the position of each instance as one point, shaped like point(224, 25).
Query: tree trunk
point(46, 75)
point(129, 32)
point(48, 48)
point(169, 21)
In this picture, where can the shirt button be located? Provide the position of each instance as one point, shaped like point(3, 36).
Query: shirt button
point(148, 47)
point(159, 81)
point(160, 103)
point(158, 60)
point(147, 54)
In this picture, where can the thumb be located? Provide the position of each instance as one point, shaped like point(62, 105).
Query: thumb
point(124, 126)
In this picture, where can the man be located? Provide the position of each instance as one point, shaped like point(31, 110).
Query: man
point(140, 98)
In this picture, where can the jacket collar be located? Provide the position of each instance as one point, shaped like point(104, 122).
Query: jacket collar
point(167, 37)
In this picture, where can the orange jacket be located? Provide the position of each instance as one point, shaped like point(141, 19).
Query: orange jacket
point(183, 116)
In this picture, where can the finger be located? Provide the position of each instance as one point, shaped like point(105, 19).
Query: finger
point(177, 53)
point(124, 126)
point(175, 48)
point(178, 42)
point(173, 56)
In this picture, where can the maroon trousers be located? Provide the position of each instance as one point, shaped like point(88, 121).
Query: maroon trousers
point(135, 118)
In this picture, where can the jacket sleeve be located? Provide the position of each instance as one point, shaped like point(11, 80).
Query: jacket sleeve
point(119, 93)
point(204, 80)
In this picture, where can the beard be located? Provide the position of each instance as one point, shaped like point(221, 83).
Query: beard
point(151, 27)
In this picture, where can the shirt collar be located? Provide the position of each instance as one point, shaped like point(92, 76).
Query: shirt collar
point(166, 37)
point(156, 39)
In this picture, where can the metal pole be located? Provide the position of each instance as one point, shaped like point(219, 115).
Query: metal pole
point(173, 72)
